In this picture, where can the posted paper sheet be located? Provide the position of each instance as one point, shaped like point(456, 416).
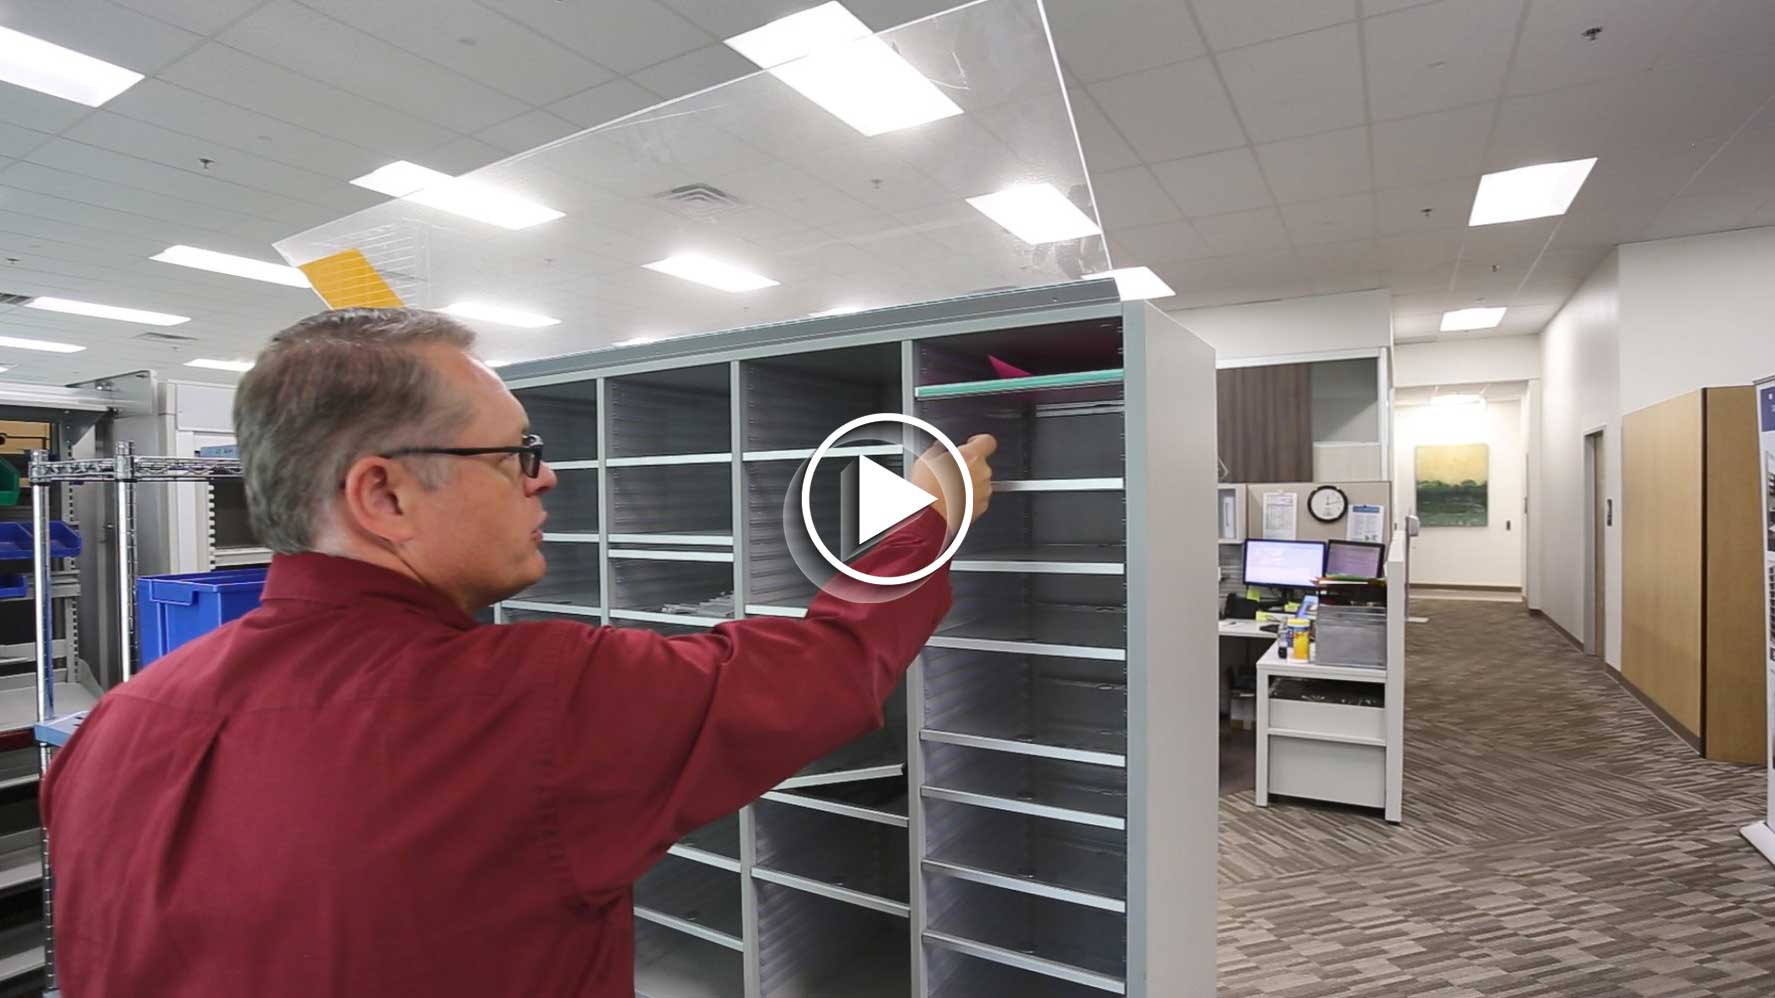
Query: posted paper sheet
point(1366, 523)
point(1280, 516)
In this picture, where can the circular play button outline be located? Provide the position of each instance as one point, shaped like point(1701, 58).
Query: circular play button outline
point(807, 483)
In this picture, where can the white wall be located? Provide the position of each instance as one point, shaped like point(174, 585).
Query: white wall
point(1467, 362)
point(1466, 556)
point(1359, 320)
point(1696, 312)
point(1580, 392)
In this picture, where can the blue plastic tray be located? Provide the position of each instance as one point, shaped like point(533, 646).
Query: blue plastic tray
point(15, 541)
point(173, 609)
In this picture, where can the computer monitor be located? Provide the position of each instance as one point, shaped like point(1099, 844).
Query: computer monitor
point(1284, 564)
point(1359, 558)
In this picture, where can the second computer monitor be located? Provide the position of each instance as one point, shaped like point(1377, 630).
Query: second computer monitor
point(1362, 559)
point(1284, 564)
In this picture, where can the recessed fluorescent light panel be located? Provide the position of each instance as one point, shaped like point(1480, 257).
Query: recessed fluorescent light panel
point(1471, 318)
point(50, 69)
point(1136, 283)
point(830, 57)
point(46, 346)
point(635, 341)
point(237, 366)
point(836, 310)
point(4, 369)
point(1036, 213)
point(468, 198)
point(1457, 400)
point(235, 266)
point(73, 307)
point(1529, 192)
point(710, 271)
point(499, 314)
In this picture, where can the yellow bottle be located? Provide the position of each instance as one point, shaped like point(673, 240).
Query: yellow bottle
point(1302, 643)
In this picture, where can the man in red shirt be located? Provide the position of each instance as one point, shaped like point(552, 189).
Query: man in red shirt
point(356, 789)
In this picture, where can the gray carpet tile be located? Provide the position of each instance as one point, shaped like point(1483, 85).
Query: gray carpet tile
point(1558, 842)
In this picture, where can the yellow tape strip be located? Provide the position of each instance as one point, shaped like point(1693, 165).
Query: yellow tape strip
point(347, 280)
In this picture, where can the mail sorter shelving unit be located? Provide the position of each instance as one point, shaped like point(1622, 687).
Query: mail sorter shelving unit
point(1036, 817)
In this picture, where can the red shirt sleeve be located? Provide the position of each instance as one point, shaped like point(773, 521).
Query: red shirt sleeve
point(657, 736)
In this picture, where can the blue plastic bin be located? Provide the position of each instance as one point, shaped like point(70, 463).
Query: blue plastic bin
point(15, 541)
point(173, 609)
point(13, 585)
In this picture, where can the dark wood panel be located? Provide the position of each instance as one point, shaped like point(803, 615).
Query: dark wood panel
point(1736, 722)
point(1266, 423)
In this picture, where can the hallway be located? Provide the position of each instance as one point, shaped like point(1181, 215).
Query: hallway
point(1557, 842)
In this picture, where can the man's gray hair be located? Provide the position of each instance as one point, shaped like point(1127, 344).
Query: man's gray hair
point(330, 390)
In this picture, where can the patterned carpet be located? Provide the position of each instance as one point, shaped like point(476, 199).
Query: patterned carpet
point(1557, 842)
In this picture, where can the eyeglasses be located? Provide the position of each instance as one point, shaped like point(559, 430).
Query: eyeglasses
point(529, 453)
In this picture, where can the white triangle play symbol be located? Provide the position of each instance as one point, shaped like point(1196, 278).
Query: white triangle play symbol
point(884, 499)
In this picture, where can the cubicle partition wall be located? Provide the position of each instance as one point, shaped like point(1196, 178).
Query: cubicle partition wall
point(1037, 817)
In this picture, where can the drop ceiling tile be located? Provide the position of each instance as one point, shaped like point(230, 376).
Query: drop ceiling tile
point(1216, 183)
point(1299, 85)
point(527, 131)
point(1439, 56)
point(1104, 147)
point(1726, 28)
point(1508, 240)
point(1233, 23)
point(475, 42)
point(150, 205)
point(1402, 209)
point(1131, 197)
point(1319, 166)
point(1334, 220)
point(79, 159)
point(1094, 40)
point(205, 120)
point(16, 141)
point(1356, 258)
point(1550, 128)
point(1140, 245)
point(1243, 232)
point(1554, 52)
point(726, 18)
point(884, 14)
point(1745, 162)
point(233, 76)
point(622, 37)
point(605, 102)
point(39, 112)
point(1692, 214)
point(368, 67)
point(102, 30)
point(1171, 112)
point(1429, 303)
point(1426, 148)
point(1372, 7)
point(461, 155)
point(1419, 251)
point(706, 67)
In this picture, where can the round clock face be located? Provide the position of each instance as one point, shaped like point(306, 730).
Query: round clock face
point(1327, 503)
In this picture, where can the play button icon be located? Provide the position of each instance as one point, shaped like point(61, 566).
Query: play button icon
point(884, 499)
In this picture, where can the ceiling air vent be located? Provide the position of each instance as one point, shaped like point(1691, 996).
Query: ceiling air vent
point(6, 299)
point(164, 338)
point(701, 202)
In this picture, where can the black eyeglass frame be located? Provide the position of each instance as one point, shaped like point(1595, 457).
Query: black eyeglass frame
point(529, 453)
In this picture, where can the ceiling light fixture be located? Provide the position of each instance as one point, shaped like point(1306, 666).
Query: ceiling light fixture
point(237, 366)
point(234, 266)
point(46, 346)
point(468, 198)
point(835, 310)
point(1529, 192)
point(72, 307)
point(1036, 213)
point(1457, 399)
point(830, 57)
point(4, 369)
point(635, 341)
point(499, 314)
point(711, 272)
point(51, 69)
point(1136, 283)
point(1462, 319)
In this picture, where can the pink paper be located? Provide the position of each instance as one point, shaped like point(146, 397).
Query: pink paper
point(1005, 370)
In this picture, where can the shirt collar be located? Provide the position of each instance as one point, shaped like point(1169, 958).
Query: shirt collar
point(323, 578)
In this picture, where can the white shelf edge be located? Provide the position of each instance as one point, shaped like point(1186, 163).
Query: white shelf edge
point(1327, 736)
point(572, 536)
point(661, 460)
point(1015, 747)
point(655, 617)
point(886, 906)
point(690, 928)
point(20, 868)
point(1033, 964)
point(804, 453)
point(766, 610)
point(644, 554)
point(1073, 815)
point(1060, 485)
point(1030, 648)
point(692, 539)
point(843, 810)
point(1027, 886)
point(705, 857)
point(1039, 567)
point(843, 776)
point(573, 609)
point(1296, 669)
point(586, 465)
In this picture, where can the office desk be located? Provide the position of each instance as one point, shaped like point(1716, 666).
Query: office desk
point(1245, 629)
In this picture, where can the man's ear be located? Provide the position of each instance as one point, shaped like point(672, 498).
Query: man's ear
point(377, 499)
